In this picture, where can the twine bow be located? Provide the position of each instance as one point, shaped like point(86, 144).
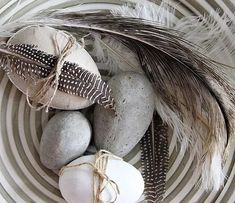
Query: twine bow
point(103, 181)
point(52, 80)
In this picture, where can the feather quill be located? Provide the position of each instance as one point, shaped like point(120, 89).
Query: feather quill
point(32, 64)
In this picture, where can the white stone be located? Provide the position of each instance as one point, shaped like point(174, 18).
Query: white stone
point(44, 38)
point(76, 184)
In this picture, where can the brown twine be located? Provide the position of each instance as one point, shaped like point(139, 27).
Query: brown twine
point(52, 80)
point(99, 169)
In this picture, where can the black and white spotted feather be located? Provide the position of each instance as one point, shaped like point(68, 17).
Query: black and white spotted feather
point(32, 64)
point(155, 159)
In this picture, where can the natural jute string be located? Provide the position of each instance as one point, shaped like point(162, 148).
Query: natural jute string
point(102, 180)
point(52, 80)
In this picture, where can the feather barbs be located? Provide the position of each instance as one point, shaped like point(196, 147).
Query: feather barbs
point(32, 64)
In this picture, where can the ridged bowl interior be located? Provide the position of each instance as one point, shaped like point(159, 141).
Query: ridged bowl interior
point(23, 179)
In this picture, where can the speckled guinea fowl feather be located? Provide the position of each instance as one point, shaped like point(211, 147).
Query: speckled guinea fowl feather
point(155, 159)
point(193, 96)
point(30, 63)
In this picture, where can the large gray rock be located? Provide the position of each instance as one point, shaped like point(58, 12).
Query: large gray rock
point(65, 138)
point(120, 131)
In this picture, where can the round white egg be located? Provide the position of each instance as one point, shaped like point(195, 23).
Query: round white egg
point(77, 183)
point(44, 38)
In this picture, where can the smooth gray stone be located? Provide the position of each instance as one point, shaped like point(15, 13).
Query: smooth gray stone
point(65, 138)
point(119, 132)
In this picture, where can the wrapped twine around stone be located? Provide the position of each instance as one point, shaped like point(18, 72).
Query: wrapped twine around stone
point(99, 170)
point(52, 80)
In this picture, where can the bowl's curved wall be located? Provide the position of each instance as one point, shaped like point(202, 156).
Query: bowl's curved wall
point(22, 176)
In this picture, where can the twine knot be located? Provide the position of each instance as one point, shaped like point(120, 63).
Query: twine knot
point(101, 180)
point(52, 80)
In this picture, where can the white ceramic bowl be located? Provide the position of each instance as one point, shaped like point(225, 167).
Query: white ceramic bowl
point(23, 179)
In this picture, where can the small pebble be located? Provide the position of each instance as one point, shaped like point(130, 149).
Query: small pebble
point(65, 138)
